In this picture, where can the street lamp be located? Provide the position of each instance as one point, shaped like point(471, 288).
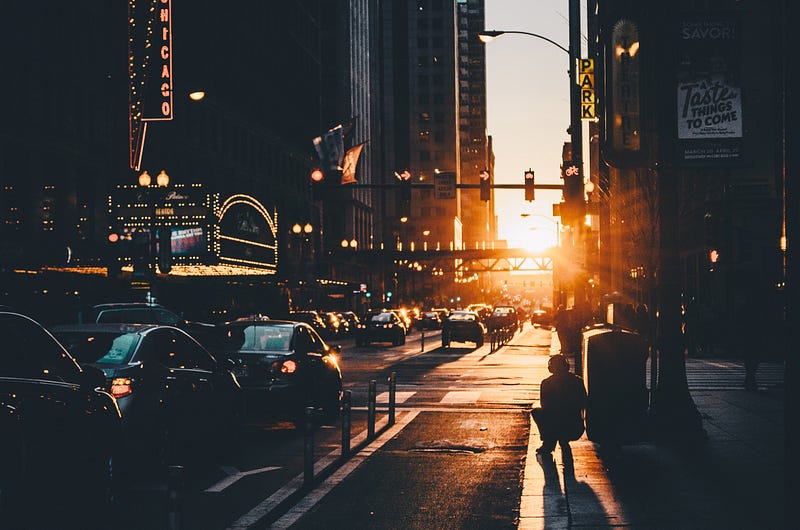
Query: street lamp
point(491, 34)
point(145, 182)
point(575, 127)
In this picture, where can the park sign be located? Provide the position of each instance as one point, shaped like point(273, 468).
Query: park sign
point(586, 83)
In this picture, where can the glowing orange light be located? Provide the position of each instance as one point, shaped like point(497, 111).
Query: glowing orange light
point(317, 175)
point(121, 387)
point(288, 367)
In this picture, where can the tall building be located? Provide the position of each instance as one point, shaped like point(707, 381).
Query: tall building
point(479, 227)
point(421, 133)
point(64, 143)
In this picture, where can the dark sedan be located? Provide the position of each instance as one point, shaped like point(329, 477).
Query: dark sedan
point(429, 320)
point(382, 327)
point(172, 392)
point(283, 367)
point(463, 326)
point(52, 415)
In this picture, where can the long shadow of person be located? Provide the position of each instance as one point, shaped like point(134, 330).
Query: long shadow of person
point(583, 504)
point(554, 501)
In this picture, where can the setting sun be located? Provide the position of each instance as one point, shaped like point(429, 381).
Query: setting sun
point(533, 232)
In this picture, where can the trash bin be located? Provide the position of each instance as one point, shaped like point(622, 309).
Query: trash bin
point(614, 374)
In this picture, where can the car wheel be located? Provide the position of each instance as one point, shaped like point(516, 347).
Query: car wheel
point(479, 342)
point(402, 339)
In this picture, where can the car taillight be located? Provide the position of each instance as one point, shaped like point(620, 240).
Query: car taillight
point(288, 367)
point(121, 387)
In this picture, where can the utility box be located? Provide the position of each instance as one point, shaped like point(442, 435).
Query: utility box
point(614, 374)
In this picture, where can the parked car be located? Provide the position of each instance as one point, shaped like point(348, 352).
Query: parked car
point(283, 367)
point(173, 394)
point(53, 413)
point(385, 326)
point(429, 320)
point(463, 326)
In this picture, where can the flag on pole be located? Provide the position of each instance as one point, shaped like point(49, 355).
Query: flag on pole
point(330, 148)
point(351, 163)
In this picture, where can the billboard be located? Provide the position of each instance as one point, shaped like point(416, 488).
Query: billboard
point(709, 90)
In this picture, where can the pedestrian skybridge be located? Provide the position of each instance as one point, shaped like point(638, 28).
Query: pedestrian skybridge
point(471, 260)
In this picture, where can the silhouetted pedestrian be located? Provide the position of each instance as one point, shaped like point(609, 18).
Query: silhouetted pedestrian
point(563, 401)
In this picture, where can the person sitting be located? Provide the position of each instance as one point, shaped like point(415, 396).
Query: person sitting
point(563, 401)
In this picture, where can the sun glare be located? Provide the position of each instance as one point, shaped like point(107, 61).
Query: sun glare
point(533, 238)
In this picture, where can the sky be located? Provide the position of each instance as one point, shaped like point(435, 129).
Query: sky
point(527, 88)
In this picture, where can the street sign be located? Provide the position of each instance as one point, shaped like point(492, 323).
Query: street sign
point(444, 186)
point(586, 82)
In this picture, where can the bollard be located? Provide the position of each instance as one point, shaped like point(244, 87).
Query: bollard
point(371, 411)
point(308, 449)
point(346, 422)
point(392, 396)
point(422, 340)
point(175, 487)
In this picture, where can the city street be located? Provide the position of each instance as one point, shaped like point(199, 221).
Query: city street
point(458, 456)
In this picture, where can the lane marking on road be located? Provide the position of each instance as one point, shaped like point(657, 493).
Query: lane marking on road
point(461, 396)
point(263, 508)
point(400, 397)
point(234, 475)
point(308, 502)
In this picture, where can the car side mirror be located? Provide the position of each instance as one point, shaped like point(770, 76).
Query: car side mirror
point(92, 378)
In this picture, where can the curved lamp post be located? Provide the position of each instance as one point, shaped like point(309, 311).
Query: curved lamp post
point(145, 181)
point(490, 34)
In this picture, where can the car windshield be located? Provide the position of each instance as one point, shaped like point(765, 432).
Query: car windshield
point(382, 317)
point(99, 347)
point(257, 338)
point(462, 317)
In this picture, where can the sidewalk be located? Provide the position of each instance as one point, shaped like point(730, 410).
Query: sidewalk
point(735, 480)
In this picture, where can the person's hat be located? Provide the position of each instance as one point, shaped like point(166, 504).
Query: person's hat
point(558, 364)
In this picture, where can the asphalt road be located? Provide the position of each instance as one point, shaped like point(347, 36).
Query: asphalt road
point(453, 459)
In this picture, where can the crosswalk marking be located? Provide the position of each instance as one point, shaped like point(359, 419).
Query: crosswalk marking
point(399, 397)
point(468, 396)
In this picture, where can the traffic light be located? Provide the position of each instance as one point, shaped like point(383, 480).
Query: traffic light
point(530, 189)
point(317, 177)
point(164, 250)
point(574, 207)
point(486, 185)
point(405, 195)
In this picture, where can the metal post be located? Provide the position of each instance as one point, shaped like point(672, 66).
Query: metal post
point(371, 410)
point(346, 422)
point(308, 449)
point(175, 486)
point(392, 396)
point(422, 340)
